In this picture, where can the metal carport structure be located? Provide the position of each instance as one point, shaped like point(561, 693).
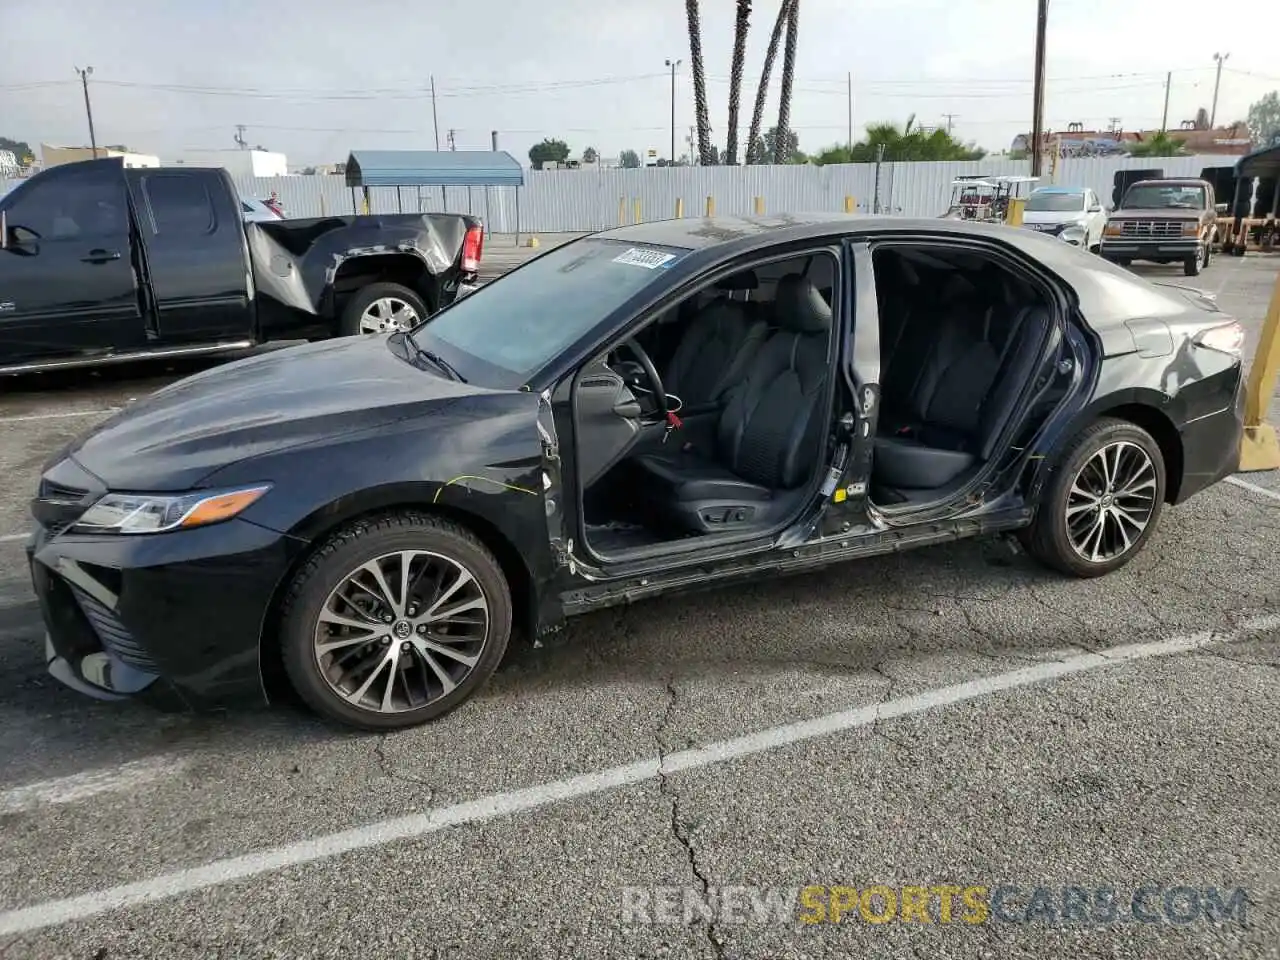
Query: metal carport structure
point(435, 168)
point(1265, 165)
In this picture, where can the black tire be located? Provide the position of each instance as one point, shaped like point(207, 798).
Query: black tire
point(344, 552)
point(1123, 262)
point(1047, 538)
point(362, 299)
point(1192, 266)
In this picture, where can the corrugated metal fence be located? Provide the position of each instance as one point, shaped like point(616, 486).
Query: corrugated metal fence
point(577, 200)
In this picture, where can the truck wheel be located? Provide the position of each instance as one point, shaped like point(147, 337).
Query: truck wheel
point(394, 621)
point(1192, 266)
point(382, 308)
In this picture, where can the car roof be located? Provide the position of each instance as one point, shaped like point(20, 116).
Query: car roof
point(1059, 190)
point(707, 233)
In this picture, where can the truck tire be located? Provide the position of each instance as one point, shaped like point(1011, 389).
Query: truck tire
point(382, 308)
point(1192, 266)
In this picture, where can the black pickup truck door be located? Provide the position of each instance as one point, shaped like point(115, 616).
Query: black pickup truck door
point(67, 278)
point(194, 255)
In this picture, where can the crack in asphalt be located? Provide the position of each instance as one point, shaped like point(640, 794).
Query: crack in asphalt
point(389, 770)
point(680, 830)
point(877, 725)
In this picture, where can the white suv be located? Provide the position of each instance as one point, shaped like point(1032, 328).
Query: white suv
point(1073, 213)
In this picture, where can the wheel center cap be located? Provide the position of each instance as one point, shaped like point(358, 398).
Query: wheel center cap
point(1107, 500)
point(402, 629)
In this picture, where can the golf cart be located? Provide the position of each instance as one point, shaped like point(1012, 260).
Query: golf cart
point(985, 198)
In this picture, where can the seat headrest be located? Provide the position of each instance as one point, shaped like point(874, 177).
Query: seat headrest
point(800, 306)
point(743, 280)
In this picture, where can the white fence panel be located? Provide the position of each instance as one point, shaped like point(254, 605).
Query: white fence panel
point(576, 200)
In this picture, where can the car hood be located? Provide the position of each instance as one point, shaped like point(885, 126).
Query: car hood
point(1052, 216)
point(176, 437)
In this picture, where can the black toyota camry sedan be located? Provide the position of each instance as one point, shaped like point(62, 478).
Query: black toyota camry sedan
point(666, 406)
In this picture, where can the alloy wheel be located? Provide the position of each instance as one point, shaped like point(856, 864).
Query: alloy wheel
point(388, 315)
point(1111, 501)
point(401, 631)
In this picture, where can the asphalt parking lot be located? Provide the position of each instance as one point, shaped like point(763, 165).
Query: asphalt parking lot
point(949, 717)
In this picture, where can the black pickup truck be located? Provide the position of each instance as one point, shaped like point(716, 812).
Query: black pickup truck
point(102, 264)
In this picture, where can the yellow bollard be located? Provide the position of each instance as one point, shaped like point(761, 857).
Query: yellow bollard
point(1013, 216)
point(679, 208)
point(637, 210)
point(711, 206)
point(759, 206)
point(622, 211)
point(849, 205)
point(533, 243)
point(1260, 450)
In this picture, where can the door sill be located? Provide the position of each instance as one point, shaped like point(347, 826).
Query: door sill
point(101, 360)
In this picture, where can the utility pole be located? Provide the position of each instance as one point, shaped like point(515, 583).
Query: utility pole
point(1221, 58)
point(1037, 110)
point(849, 98)
point(88, 110)
point(673, 64)
point(1168, 81)
point(452, 143)
point(950, 117)
point(493, 138)
point(239, 138)
point(435, 121)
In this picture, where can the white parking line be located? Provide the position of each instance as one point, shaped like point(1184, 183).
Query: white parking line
point(219, 872)
point(81, 786)
point(13, 537)
point(59, 416)
point(1253, 488)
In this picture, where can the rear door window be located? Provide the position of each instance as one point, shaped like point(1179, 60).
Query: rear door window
point(180, 205)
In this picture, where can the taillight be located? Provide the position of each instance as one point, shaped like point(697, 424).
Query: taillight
point(472, 248)
point(1227, 338)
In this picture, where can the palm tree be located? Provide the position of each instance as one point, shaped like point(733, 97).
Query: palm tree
point(1160, 145)
point(735, 77)
point(699, 82)
point(788, 75)
point(757, 116)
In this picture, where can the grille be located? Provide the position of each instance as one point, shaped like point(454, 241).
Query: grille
point(1162, 229)
point(115, 636)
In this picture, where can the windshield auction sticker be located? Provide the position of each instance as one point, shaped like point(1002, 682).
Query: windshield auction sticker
point(649, 259)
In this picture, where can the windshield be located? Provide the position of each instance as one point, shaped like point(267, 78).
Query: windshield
point(1159, 197)
point(507, 330)
point(1053, 202)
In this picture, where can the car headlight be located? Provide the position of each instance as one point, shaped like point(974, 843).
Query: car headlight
point(1074, 234)
point(156, 512)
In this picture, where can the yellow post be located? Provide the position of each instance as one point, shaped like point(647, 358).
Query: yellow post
point(849, 205)
point(1259, 450)
point(622, 211)
point(1013, 215)
point(679, 208)
point(637, 210)
point(711, 206)
point(366, 200)
point(759, 206)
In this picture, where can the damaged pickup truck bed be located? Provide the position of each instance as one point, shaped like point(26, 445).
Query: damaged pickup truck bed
point(102, 264)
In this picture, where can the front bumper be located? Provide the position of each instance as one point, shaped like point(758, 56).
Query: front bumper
point(173, 618)
point(1121, 248)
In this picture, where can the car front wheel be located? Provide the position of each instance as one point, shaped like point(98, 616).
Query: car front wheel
point(1192, 266)
point(1102, 503)
point(394, 621)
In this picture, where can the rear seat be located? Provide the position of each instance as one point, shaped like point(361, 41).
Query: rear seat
point(945, 405)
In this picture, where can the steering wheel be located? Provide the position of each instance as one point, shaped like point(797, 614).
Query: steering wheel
point(651, 373)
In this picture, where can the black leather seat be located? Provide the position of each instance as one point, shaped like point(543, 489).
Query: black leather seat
point(768, 437)
point(714, 354)
point(962, 397)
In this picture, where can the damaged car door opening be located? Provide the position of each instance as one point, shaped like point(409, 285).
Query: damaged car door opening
point(651, 409)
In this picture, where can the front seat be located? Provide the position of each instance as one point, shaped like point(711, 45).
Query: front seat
point(713, 355)
point(768, 437)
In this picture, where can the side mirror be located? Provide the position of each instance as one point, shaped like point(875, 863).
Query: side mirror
point(1221, 208)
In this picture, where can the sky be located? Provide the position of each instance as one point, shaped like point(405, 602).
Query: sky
point(316, 79)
